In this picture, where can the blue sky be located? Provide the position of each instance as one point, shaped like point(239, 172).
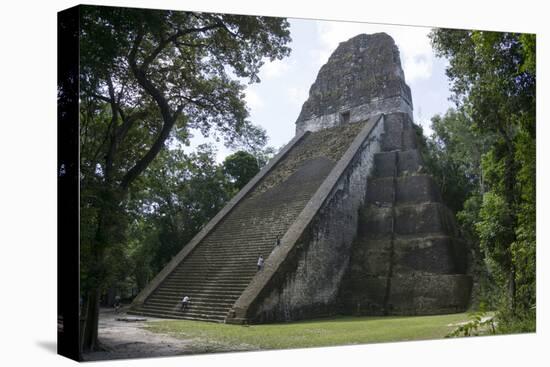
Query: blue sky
point(275, 103)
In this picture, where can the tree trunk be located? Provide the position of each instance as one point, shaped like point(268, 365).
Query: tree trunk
point(97, 269)
point(511, 199)
point(89, 333)
point(512, 289)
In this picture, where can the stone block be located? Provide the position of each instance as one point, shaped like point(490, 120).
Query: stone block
point(376, 244)
point(410, 295)
point(409, 162)
point(393, 130)
point(376, 222)
point(380, 191)
point(367, 295)
point(417, 188)
point(385, 164)
point(409, 139)
point(371, 256)
point(424, 256)
point(376, 263)
point(423, 218)
point(428, 295)
point(460, 255)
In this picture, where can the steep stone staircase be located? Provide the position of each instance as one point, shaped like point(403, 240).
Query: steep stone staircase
point(406, 258)
point(217, 271)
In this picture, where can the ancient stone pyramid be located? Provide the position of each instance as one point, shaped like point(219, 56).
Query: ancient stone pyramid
point(362, 225)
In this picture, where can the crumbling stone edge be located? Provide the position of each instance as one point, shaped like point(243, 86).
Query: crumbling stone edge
point(239, 313)
point(186, 251)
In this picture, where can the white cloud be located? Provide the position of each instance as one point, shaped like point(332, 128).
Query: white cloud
point(414, 46)
point(274, 69)
point(253, 100)
point(417, 68)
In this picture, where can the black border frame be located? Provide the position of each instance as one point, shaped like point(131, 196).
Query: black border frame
point(68, 219)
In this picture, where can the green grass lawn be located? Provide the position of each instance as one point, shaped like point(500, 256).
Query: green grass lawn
point(313, 333)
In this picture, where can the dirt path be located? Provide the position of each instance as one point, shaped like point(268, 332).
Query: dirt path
point(123, 339)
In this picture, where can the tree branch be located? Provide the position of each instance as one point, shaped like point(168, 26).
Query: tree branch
point(169, 118)
point(111, 151)
point(144, 162)
point(173, 39)
point(127, 122)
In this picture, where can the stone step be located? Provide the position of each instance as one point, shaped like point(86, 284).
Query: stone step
point(177, 317)
point(198, 300)
point(235, 236)
point(213, 269)
point(192, 306)
point(201, 287)
point(191, 315)
point(208, 277)
point(176, 298)
point(214, 262)
point(419, 295)
point(241, 258)
point(225, 301)
point(208, 267)
point(283, 210)
point(398, 133)
point(252, 234)
point(236, 248)
point(203, 291)
point(226, 273)
point(400, 163)
point(267, 210)
point(195, 283)
point(208, 282)
point(376, 222)
point(176, 307)
point(404, 189)
point(233, 250)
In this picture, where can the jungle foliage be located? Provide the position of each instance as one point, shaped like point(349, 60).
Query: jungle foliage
point(483, 154)
point(149, 80)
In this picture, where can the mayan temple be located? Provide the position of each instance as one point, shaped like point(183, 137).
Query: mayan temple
point(363, 229)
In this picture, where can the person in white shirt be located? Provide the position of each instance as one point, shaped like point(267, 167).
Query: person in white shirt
point(184, 303)
point(260, 262)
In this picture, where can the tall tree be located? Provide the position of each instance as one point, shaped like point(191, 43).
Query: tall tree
point(456, 148)
point(493, 81)
point(240, 167)
point(147, 78)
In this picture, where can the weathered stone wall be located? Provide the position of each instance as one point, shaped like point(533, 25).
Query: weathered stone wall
point(307, 283)
point(407, 258)
point(223, 261)
point(362, 78)
point(358, 113)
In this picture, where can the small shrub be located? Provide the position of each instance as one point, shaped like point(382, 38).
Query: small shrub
point(481, 323)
